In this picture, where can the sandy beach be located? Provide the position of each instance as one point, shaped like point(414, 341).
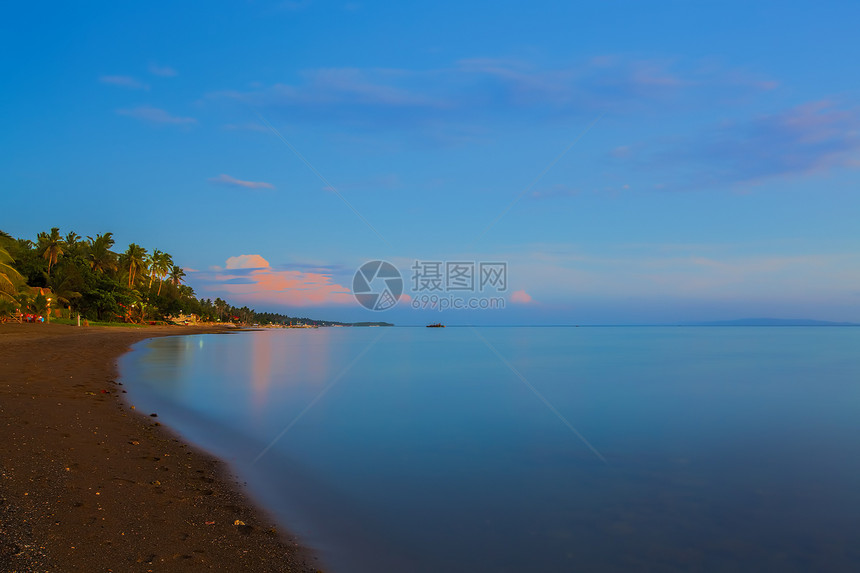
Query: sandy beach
point(89, 484)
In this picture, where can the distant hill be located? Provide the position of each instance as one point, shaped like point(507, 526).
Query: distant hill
point(771, 322)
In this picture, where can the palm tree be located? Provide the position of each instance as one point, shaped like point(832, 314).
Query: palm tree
point(161, 265)
point(73, 243)
point(150, 265)
point(134, 259)
point(176, 275)
point(7, 308)
point(186, 291)
point(51, 246)
point(220, 306)
point(101, 258)
point(10, 279)
point(64, 285)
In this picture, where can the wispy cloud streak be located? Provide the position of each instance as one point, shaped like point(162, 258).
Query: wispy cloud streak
point(151, 114)
point(124, 82)
point(471, 89)
point(229, 181)
point(162, 71)
point(804, 140)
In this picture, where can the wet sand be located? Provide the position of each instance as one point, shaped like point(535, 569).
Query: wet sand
point(88, 484)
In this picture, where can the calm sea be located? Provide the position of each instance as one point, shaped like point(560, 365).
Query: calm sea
point(532, 449)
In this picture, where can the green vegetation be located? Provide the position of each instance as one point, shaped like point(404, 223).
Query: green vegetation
point(87, 278)
point(74, 322)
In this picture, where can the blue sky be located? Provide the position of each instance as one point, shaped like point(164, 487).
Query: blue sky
point(631, 162)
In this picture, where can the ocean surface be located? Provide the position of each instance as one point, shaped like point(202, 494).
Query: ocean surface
point(532, 449)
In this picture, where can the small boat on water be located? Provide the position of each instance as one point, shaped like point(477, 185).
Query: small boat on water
point(436, 325)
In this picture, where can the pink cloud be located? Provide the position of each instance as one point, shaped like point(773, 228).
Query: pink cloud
point(259, 284)
point(294, 288)
point(521, 297)
point(247, 262)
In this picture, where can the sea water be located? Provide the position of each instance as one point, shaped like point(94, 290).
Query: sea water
point(532, 448)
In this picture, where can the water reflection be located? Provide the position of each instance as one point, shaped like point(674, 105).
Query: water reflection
point(728, 449)
point(261, 371)
point(167, 365)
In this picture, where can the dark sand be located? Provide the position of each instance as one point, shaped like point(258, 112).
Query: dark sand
point(87, 484)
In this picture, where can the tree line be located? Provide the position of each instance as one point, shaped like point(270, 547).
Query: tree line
point(86, 276)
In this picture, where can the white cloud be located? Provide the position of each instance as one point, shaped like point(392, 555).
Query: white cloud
point(124, 82)
point(248, 126)
point(155, 115)
point(163, 71)
point(229, 181)
point(471, 88)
